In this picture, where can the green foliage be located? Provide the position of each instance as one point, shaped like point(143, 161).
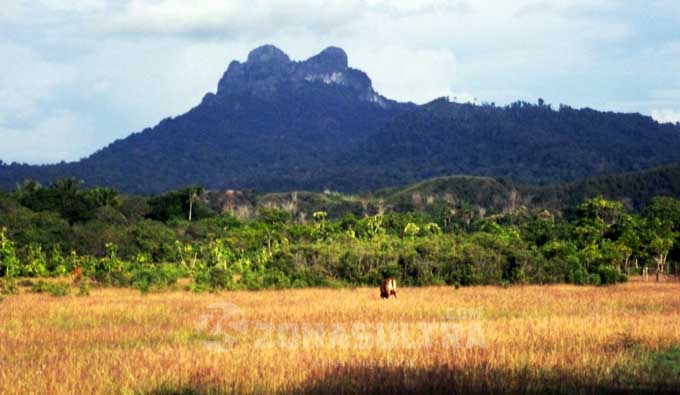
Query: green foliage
point(665, 209)
point(103, 197)
point(608, 275)
point(57, 265)
point(9, 264)
point(276, 279)
point(36, 262)
point(411, 230)
point(176, 205)
point(8, 286)
point(433, 229)
point(594, 279)
point(577, 275)
point(320, 230)
point(437, 242)
point(273, 216)
point(664, 365)
point(60, 289)
point(84, 287)
point(150, 277)
point(374, 226)
point(54, 289)
point(63, 196)
point(152, 238)
point(110, 270)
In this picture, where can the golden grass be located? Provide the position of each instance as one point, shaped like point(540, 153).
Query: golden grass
point(520, 339)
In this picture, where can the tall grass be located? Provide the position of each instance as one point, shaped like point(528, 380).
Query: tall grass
point(529, 339)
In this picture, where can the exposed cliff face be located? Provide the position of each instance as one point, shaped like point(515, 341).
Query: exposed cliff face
point(268, 70)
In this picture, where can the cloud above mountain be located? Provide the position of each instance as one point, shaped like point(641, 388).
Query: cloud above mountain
point(95, 70)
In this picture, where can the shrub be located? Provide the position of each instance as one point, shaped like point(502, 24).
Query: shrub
point(315, 276)
point(36, 262)
point(351, 268)
point(60, 289)
point(276, 279)
point(578, 275)
point(84, 287)
point(151, 277)
point(219, 278)
point(608, 274)
point(39, 287)
point(57, 262)
point(8, 259)
point(54, 289)
point(386, 270)
point(25, 283)
point(111, 270)
point(200, 280)
point(119, 278)
point(298, 283)
point(664, 365)
point(8, 286)
point(594, 279)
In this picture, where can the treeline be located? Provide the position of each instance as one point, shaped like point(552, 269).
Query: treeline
point(151, 242)
point(636, 190)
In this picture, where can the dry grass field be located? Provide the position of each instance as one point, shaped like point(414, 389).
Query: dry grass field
point(529, 339)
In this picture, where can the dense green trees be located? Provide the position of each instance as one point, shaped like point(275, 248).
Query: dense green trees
point(149, 243)
point(178, 205)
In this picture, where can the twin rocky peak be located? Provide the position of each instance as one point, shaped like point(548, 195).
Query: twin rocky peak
point(268, 70)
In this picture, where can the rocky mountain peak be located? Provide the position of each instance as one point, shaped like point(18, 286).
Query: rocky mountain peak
point(330, 59)
point(267, 54)
point(268, 69)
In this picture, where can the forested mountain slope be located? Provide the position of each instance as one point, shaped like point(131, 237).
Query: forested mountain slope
point(278, 125)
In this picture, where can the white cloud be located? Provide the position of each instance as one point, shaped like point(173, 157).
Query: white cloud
point(666, 116)
point(433, 75)
point(230, 18)
point(463, 97)
point(26, 81)
point(98, 70)
point(59, 135)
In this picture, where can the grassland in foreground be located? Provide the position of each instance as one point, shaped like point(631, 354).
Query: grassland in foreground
point(524, 339)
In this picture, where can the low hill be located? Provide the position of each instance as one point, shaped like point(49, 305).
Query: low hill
point(635, 189)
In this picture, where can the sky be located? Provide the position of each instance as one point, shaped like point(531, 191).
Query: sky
point(76, 75)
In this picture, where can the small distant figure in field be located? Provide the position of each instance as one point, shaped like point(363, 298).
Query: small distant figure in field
point(388, 287)
point(77, 275)
point(645, 273)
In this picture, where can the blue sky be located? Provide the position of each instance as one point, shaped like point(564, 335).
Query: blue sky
point(79, 74)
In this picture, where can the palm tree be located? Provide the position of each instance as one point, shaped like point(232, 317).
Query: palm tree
point(26, 188)
point(104, 197)
point(194, 192)
point(67, 186)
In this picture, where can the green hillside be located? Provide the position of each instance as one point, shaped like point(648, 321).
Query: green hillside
point(494, 195)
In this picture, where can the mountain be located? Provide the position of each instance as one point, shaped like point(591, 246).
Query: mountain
point(276, 125)
point(524, 142)
point(272, 124)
